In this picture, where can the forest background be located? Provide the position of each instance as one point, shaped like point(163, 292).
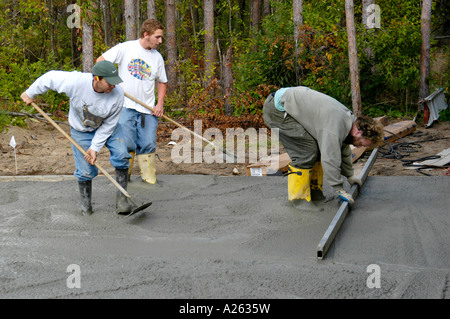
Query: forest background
point(224, 57)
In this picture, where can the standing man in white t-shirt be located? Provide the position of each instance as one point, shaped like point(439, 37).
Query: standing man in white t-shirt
point(141, 66)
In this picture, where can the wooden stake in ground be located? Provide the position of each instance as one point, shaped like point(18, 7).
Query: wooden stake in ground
point(13, 144)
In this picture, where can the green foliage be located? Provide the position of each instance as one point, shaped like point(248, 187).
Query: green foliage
point(389, 58)
point(16, 78)
point(6, 120)
point(36, 39)
point(440, 70)
point(191, 85)
point(262, 58)
point(444, 115)
point(320, 62)
point(25, 53)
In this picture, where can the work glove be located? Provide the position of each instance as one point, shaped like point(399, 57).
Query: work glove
point(352, 180)
point(344, 196)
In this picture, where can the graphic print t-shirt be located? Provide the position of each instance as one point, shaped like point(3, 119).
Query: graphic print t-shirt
point(139, 69)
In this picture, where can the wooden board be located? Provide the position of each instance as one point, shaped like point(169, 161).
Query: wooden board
point(273, 165)
point(443, 161)
point(400, 129)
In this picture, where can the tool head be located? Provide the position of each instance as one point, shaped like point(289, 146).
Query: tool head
point(140, 208)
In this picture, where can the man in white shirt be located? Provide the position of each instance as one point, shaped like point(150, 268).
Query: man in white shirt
point(141, 66)
point(95, 107)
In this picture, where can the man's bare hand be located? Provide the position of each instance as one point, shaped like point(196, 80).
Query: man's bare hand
point(26, 99)
point(158, 110)
point(91, 156)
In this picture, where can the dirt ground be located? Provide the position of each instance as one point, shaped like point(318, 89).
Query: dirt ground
point(42, 150)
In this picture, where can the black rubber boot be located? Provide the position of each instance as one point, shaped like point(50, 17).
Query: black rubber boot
point(85, 196)
point(123, 207)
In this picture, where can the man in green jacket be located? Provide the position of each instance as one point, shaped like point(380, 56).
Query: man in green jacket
point(317, 130)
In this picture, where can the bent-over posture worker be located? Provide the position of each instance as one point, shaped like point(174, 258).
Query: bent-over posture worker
point(140, 67)
point(95, 107)
point(316, 130)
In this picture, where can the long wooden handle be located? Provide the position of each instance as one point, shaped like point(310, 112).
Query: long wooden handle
point(179, 125)
point(79, 148)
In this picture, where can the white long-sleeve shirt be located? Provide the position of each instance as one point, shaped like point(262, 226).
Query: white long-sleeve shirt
point(88, 110)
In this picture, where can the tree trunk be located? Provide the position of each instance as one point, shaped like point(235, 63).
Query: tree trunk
point(52, 28)
point(137, 7)
point(107, 22)
point(130, 19)
point(171, 45)
point(425, 31)
point(190, 30)
point(266, 8)
point(88, 47)
point(298, 19)
point(208, 16)
point(240, 13)
point(151, 9)
point(298, 23)
point(255, 16)
point(228, 80)
point(353, 56)
point(193, 7)
point(75, 50)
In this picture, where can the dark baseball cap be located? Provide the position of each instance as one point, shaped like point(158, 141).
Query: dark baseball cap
point(108, 71)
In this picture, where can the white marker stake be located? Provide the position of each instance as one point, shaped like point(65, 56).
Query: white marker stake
point(13, 144)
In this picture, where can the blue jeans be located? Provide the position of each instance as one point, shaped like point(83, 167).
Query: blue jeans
point(141, 140)
point(120, 158)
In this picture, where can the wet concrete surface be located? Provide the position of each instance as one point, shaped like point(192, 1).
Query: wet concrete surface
point(223, 237)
